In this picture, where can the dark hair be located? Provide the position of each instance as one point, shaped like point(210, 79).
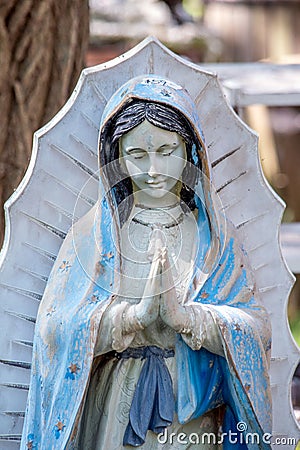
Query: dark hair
point(132, 115)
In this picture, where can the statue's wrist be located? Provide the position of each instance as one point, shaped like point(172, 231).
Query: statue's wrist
point(194, 333)
point(121, 339)
point(186, 323)
point(130, 320)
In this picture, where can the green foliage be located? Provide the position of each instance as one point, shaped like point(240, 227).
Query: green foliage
point(193, 7)
point(295, 329)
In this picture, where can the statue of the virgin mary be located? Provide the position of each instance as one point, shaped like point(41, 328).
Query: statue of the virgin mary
point(150, 331)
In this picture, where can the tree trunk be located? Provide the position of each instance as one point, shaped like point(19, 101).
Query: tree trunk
point(42, 49)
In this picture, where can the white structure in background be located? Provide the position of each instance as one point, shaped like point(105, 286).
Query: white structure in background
point(61, 179)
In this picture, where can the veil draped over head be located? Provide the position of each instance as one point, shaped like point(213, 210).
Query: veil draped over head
point(85, 279)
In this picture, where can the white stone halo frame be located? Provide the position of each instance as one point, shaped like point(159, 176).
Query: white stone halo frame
point(64, 158)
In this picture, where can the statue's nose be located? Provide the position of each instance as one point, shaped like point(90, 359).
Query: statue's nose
point(153, 169)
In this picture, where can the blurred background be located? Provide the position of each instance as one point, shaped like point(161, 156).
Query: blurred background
point(44, 44)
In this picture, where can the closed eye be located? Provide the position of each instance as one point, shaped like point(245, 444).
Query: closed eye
point(167, 150)
point(136, 153)
point(139, 154)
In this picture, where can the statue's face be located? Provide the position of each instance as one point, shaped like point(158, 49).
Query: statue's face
point(154, 159)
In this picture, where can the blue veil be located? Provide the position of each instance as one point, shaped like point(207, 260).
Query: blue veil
point(85, 278)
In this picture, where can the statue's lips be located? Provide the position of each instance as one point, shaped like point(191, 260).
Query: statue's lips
point(156, 183)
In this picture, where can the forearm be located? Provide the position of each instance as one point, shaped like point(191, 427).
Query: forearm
point(117, 328)
point(200, 330)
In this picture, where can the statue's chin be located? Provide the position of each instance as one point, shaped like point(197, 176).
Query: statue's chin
point(156, 192)
point(156, 196)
